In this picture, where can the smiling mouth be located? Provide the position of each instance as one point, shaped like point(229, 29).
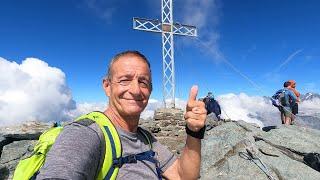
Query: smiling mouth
point(134, 100)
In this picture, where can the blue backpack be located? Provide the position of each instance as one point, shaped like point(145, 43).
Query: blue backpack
point(281, 98)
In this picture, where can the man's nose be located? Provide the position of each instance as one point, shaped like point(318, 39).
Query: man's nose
point(134, 87)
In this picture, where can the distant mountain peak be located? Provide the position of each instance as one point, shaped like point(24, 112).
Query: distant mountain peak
point(309, 96)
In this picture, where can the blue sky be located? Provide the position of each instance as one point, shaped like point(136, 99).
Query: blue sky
point(243, 46)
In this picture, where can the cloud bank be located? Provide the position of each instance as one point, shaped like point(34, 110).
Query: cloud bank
point(33, 90)
point(252, 109)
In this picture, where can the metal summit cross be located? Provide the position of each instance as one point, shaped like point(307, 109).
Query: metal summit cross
point(168, 28)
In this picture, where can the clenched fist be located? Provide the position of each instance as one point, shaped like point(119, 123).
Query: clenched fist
point(196, 112)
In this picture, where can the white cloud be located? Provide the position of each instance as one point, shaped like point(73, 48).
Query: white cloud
point(201, 13)
point(252, 109)
point(103, 9)
point(155, 104)
point(244, 107)
point(32, 90)
point(85, 108)
point(310, 107)
point(205, 16)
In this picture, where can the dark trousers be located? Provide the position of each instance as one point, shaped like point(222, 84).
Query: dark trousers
point(295, 109)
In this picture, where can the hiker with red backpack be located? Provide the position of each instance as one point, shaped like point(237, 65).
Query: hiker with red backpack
point(284, 99)
point(80, 149)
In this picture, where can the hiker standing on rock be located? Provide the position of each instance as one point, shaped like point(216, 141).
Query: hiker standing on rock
point(284, 99)
point(295, 108)
point(76, 153)
point(212, 106)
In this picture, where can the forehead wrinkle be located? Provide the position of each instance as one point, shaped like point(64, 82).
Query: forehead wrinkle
point(132, 74)
point(123, 67)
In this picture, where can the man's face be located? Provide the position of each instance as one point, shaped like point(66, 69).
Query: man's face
point(129, 88)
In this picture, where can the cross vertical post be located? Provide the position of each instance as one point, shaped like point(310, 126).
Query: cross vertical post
point(168, 28)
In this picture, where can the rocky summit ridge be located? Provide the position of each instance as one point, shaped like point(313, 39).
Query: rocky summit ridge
point(230, 150)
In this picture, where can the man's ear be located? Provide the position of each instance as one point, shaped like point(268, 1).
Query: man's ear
point(106, 86)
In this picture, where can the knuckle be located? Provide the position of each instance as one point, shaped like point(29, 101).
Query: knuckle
point(187, 115)
point(201, 104)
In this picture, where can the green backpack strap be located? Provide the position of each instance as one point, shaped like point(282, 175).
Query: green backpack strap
point(113, 148)
point(29, 167)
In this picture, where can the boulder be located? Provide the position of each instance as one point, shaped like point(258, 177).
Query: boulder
point(16, 143)
point(12, 154)
point(238, 150)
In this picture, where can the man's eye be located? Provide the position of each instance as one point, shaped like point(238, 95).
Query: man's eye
point(125, 82)
point(144, 84)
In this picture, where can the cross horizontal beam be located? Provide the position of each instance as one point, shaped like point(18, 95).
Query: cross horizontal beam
point(155, 25)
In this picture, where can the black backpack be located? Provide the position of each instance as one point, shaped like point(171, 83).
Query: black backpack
point(211, 105)
point(312, 160)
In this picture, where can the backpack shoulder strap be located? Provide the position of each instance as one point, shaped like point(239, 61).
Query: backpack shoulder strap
point(149, 155)
point(147, 136)
point(28, 168)
point(113, 149)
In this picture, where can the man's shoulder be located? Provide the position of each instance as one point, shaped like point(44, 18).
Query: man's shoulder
point(145, 131)
point(85, 124)
point(287, 90)
point(82, 127)
point(290, 92)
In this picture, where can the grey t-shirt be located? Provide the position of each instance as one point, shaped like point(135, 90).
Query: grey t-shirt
point(77, 151)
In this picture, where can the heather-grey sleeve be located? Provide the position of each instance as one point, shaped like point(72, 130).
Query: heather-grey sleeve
point(75, 154)
point(165, 157)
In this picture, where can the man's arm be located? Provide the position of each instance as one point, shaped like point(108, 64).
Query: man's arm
point(188, 165)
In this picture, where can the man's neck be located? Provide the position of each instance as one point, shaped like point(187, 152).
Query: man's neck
point(128, 123)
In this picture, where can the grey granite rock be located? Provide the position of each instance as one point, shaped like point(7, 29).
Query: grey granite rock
point(281, 150)
point(224, 149)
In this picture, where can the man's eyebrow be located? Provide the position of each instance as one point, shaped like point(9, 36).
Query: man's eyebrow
point(126, 76)
point(144, 78)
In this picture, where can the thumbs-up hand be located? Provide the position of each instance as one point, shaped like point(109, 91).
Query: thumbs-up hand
point(196, 112)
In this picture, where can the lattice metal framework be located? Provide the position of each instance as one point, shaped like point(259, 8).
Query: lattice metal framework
point(168, 28)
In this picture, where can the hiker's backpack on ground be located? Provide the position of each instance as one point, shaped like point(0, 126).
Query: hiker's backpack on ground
point(280, 98)
point(312, 160)
point(29, 167)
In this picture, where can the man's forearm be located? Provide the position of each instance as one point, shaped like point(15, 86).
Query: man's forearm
point(189, 162)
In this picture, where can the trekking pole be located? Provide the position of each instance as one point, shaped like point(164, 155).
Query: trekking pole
point(257, 161)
